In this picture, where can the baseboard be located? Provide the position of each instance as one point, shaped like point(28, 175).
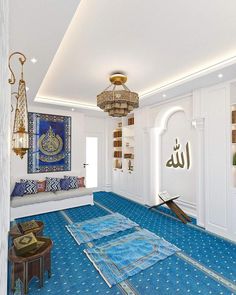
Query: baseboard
point(129, 196)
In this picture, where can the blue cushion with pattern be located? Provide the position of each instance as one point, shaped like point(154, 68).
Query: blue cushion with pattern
point(18, 190)
point(31, 186)
point(73, 180)
point(65, 184)
point(52, 184)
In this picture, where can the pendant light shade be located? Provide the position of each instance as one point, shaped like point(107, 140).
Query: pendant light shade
point(117, 99)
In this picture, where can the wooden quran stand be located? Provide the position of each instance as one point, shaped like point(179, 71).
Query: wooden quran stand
point(173, 207)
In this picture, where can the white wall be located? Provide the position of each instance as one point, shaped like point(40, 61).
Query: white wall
point(179, 181)
point(81, 125)
point(218, 200)
point(4, 146)
point(168, 121)
point(208, 189)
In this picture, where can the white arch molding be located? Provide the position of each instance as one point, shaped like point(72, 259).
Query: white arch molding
point(161, 122)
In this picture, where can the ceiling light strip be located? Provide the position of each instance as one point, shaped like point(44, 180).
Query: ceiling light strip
point(190, 77)
point(66, 103)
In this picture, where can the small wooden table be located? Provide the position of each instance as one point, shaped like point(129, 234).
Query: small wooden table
point(27, 266)
point(15, 232)
point(173, 207)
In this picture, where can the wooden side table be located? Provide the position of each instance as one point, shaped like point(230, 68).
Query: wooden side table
point(15, 232)
point(27, 266)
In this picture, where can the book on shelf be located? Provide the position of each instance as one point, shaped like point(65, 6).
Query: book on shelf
point(131, 121)
point(117, 134)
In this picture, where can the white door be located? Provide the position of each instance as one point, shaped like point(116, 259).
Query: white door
point(91, 162)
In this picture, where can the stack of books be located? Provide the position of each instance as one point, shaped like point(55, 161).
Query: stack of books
point(27, 243)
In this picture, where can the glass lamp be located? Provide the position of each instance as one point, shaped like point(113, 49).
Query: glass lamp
point(20, 136)
point(20, 141)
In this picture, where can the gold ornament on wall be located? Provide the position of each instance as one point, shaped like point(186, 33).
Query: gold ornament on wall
point(20, 138)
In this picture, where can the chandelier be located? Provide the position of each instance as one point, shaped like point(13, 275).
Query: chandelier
point(20, 140)
point(117, 99)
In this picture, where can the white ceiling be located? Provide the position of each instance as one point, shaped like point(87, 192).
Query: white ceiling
point(155, 42)
point(36, 29)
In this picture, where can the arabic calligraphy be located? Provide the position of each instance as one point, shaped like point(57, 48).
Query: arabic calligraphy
point(181, 159)
point(50, 146)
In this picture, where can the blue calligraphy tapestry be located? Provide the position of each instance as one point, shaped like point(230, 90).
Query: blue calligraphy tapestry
point(49, 143)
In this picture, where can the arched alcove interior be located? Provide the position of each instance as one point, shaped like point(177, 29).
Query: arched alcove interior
point(170, 124)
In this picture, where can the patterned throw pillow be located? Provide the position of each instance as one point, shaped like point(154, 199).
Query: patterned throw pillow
point(52, 184)
point(81, 181)
point(73, 181)
point(30, 186)
point(18, 190)
point(65, 184)
point(41, 186)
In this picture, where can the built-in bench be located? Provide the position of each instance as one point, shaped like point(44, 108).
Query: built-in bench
point(43, 202)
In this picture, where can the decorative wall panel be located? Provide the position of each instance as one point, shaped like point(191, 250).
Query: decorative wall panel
point(49, 143)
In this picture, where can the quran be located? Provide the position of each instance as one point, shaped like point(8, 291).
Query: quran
point(165, 196)
point(38, 246)
point(27, 226)
point(25, 243)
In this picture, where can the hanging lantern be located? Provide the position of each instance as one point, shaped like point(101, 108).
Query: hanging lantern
point(117, 102)
point(20, 138)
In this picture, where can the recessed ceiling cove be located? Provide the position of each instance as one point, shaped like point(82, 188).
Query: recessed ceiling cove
point(153, 42)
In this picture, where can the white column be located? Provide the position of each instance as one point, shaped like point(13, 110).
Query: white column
point(5, 112)
point(200, 172)
point(155, 164)
point(108, 155)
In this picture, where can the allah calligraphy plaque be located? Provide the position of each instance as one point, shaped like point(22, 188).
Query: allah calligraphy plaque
point(49, 143)
point(179, 159)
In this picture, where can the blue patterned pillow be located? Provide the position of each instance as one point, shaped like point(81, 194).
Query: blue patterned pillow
point(30, 186)
point(52, 184)
point(73, 181)
point(18, 190)
point(65, 184)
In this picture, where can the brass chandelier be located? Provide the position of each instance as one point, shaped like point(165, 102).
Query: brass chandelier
point(117, 102)
point(20, 139)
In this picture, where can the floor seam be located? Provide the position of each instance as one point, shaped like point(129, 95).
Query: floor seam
point(227, 283)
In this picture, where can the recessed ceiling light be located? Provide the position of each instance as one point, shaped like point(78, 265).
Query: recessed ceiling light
point(220, 75)
point(164, 95)
point(72, 110)
point(27, 88)
point(33, 60)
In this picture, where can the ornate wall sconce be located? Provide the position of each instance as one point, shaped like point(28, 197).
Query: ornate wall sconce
point(20, 138)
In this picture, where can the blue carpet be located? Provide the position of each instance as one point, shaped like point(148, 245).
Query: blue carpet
point(73, 273)
point(217, 254)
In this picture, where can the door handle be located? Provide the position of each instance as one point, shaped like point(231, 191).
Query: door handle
point(85, 165)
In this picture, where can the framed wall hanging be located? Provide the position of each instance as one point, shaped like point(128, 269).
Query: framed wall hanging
point(49, 143)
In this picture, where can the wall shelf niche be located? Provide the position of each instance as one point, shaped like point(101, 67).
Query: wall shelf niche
point(123, 144)
point(233, 132)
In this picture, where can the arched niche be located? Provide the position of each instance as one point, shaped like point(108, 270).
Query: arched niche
point(162, 141)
